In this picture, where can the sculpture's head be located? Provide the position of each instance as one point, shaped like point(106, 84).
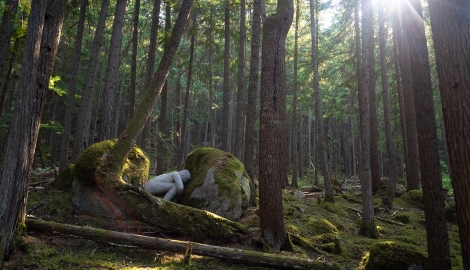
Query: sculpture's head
point(185, 175)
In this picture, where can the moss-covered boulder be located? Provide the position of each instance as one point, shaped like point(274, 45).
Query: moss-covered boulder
point(321, 226)
point(395, 255)
point(87, 196)
point(219, 183)
point(403, 218)
point(413, 198)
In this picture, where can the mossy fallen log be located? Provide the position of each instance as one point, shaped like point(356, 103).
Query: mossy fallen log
point(232, 254)
point(379, 218)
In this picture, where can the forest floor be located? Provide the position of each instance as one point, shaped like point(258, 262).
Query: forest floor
point(306, 216)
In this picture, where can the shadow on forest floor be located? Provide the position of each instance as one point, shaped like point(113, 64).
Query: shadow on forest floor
point(306, 216)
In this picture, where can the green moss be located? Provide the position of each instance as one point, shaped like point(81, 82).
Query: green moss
point(406, 239)
point(86, 164)
point(135, 170)
point(403, 218)
point(324, 238)
point(54, 203)
point(394, 255)
point(413, 198)
point(290, 228)
point(381, 192)
point(334, 208)
point(381, 230)
point(226, 166)
point(321, 226)
point(351, 198)
point(451, 213)
point(21, 228)
point(64, 179)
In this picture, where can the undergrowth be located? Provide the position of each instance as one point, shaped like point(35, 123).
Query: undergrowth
point(320, 228)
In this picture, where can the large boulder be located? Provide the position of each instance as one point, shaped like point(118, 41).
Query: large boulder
point(87, 196)
point(219, 183)
point(389, 255)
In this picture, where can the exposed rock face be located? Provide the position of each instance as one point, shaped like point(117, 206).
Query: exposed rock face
point(87, 196)
point(219, 183)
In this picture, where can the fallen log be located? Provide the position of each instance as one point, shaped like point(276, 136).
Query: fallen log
point(232, 254)
point(379, 218)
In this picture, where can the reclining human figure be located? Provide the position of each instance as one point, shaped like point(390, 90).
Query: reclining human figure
point(170, 184)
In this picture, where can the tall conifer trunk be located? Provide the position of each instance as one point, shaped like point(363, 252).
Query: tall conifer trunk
point(329, 196)
point(253, 88)
point(241, 100)
point(112, 71)
point(412, 166)
point(42, 42)
point(273, 86)
point(67, 121)
point(450, 22)
point(392, 176)
point(82, 128)
point(368, 227)
point(433, 194)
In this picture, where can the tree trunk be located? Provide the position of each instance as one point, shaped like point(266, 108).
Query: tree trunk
point(225, 136)
point(7, 91)
point(211, 84)
point(177, 133)
point(412, 166)
point(135, 35)
point(329, 196)
point(96, 104)
point(392, 176)
point(6, 32)
point(273, 86)
point(241, 93)
point(112, 71)
point(161, 138)
point(82, 128)
point(374, 132)
point(368, 227)
point(42, 41)
point(446, 152)
point(433, 195)
point(150, 65)
point(450, 23)
point(398, 80)
point(184, 127)
point(301, 145)
point(117, 107)
point(75, 67)
point(253, 88)
point(233, 255)
point(294, 132)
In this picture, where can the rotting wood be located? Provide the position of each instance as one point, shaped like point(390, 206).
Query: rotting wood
point(232, 254)
point(379, 218)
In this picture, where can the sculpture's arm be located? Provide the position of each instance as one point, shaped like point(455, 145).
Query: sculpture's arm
point(154, 187)
point(170, 194)
point(178, 183)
